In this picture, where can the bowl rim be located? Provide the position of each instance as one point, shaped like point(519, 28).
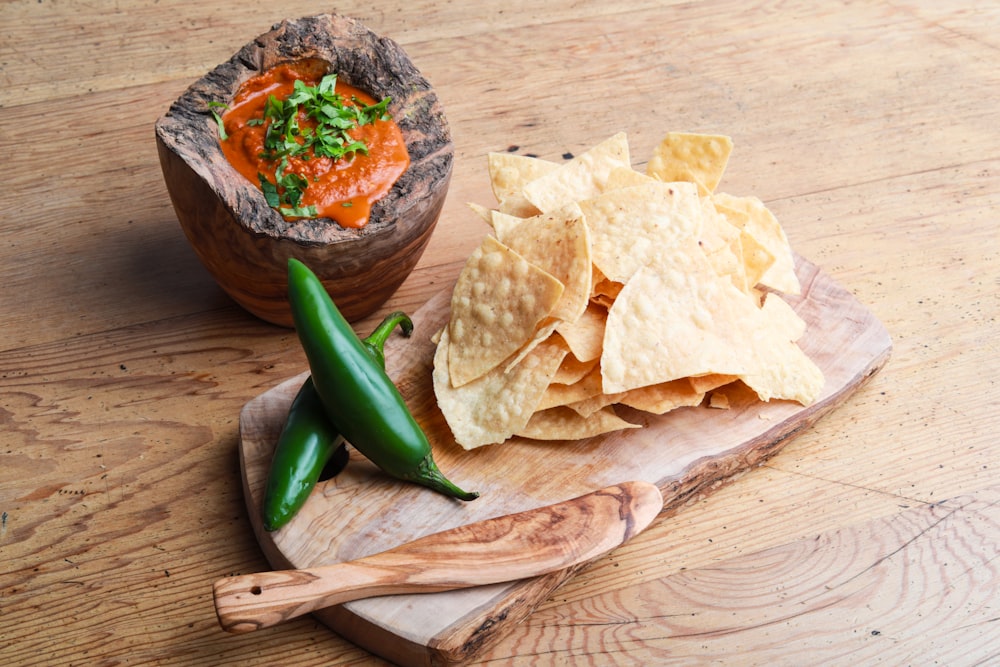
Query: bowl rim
point(361, 58)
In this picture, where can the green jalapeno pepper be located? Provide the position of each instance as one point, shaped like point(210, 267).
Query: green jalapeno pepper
point(307, 443)
point(310, 444)
point(360, 399)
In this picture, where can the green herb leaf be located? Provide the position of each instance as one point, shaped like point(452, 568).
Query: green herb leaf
point(292, 185)
point(298, 212)
point(285, 137)
point(223, 135)
point(270, 191)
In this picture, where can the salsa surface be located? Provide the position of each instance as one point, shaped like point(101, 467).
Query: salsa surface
point(343, 189)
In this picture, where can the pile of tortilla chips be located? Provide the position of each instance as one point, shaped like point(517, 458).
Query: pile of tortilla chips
point(602, 285)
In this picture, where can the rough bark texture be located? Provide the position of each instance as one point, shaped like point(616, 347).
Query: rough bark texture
point(245, 243)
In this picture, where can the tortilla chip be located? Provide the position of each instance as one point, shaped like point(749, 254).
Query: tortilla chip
point(607, 286)
point(785, 372)
point(565, 424)
point(718, 400)
point(703, 326)
point(661, 398)
point(783, 319)
point(572, 370)
point(559, 243)
point(566, 394)
point(675, 323)
point(584, 176)
point(497, 305)
point(782, 371)
point(765, 229)
point(510, 172)
point(635, 226)
point(624, 177)
point(706, 383)
point(700, 158)
point(483, 212)
point(497, 405)
point(585, 336)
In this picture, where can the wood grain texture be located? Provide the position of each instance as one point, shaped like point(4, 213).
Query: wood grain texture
point(848, 596)
point(685, 452)
point(866, 127)
point(504, 548)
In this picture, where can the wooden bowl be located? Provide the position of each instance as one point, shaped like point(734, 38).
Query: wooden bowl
point(243, 242)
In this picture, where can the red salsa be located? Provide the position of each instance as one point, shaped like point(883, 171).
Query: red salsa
point(282, 131)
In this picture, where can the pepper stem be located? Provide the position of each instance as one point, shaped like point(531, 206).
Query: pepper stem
point(375, 343)
point(427, 474)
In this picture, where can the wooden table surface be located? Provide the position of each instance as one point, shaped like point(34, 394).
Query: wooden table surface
point(870, 129)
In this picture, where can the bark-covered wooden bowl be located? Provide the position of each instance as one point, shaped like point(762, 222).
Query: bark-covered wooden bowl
point(243, 242)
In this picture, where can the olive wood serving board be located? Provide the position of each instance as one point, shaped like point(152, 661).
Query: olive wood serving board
point(686, 453)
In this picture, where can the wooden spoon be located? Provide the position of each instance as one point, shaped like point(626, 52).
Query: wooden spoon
point(505, 548)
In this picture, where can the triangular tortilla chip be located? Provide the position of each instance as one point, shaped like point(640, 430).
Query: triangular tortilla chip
point(669, 324)
point(701, 158)
point(782, 371)
point(559, 243)
point(510, 172)
point(498, 404)
point(485, 331)
point(584, 176)
point(635, 226)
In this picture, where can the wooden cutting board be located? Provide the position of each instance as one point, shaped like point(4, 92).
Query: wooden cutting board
point(685, 453)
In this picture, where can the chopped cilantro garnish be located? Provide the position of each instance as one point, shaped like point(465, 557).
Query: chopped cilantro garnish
point(218, 119)
point(327, 134)
point(286, 194)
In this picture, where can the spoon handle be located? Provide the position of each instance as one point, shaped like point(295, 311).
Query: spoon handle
point(505, 548)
